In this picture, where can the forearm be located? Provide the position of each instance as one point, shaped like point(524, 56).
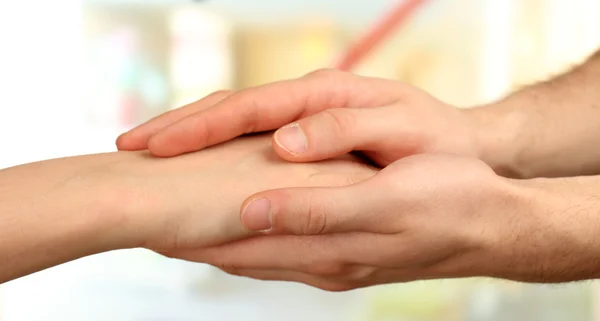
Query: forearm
point(549, 129)
point(59, 210)
point(55, 211)
point(551, 234)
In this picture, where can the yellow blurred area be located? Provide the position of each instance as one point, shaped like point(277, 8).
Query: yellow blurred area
point(465, 51)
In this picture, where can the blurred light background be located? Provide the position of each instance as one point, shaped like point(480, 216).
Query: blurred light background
point(76, 73)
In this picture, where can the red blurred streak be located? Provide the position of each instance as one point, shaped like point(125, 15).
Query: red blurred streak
point(377, 34)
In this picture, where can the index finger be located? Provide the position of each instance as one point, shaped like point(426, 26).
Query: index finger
point(269, 107)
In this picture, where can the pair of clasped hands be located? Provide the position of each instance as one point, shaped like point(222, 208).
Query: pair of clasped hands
point(297, 205)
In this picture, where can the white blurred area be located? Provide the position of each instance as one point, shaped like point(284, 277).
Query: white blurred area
point(75, 74)
point(40, 77)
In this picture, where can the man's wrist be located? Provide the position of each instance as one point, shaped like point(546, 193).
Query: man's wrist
point(549, 231)
point(498, 131)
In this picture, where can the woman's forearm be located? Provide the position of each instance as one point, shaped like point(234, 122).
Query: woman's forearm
point(59, 210)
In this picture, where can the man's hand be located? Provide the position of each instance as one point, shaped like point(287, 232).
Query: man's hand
point(328, 113)
point(423, 217)
point(548, 129)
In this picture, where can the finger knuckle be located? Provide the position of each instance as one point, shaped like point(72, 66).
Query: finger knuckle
point(247, 104)
point(204, 133)
point(342, 121)
point(316, 217)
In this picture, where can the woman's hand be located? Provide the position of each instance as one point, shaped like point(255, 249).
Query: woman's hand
point(193, 201)
point(59, 210)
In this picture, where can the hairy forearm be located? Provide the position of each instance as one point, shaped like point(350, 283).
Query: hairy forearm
point(59, 210)
point(550, 129)
point(552, 234)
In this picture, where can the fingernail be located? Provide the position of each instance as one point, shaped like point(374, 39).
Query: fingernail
point(256, 216)
point(291, 138)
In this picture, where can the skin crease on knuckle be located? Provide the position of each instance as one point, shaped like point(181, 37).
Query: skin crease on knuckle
point(315, 216)
point(374, 92)
point(342, 122)
point(340, 85)
point(320, 215)
point(335, 97)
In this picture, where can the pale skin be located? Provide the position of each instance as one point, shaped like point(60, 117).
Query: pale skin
point(59, 210)
point(505, 190)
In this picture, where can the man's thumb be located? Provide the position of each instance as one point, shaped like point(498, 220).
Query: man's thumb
point(331, 133)
point(306, 210)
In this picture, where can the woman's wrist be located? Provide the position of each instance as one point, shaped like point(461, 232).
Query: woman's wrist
point(59, 210)
point(128, 202)
point(107, 209)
